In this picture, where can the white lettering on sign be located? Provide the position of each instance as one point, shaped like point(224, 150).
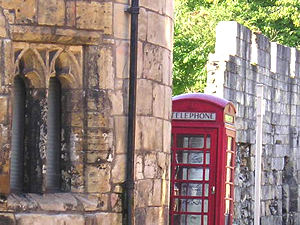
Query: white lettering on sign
point(194, 116)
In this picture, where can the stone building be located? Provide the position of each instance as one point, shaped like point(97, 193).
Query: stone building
point(64, 71)
point(242, 60)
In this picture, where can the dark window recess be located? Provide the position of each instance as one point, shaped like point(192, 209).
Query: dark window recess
point(53, 173)
point(17, 143)
point(67, 170)
point(27, 133)
point(35, 139)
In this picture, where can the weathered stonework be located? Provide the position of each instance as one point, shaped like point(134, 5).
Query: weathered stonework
point(85, 44)
point(242, 60)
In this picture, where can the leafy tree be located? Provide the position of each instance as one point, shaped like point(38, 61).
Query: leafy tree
point(195, 22)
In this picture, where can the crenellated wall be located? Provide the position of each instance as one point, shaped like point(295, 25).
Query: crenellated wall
point(85, 45)
point(242, 60)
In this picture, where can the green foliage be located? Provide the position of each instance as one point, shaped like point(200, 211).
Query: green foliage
point(195, 22)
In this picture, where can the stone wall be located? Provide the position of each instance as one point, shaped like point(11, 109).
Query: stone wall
point(242, 60)
point(86, 45)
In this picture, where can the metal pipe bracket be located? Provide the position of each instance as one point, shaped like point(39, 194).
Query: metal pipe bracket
point(133, 10)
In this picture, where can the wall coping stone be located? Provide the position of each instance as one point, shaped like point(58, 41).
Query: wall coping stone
point(53, 202)
point(47, 34)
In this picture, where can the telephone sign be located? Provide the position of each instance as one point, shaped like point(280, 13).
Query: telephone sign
point(203, 154)
point(193, 116)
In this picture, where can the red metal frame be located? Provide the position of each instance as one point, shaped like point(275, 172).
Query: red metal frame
point(211, 182)
point(219, 131)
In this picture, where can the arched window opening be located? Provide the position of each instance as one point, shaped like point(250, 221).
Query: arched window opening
point(43, 129)
point(35, 139)
point(64, 67)
point(53, 173)
point(28, 128)
point(17, 143)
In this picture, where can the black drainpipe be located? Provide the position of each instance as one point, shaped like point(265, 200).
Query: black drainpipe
point(129, 185)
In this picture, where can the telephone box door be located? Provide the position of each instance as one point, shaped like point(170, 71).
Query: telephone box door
point(193, 181)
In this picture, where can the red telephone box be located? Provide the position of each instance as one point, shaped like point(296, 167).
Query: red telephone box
point(203, 156)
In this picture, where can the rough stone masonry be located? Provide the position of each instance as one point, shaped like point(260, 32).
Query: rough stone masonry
point(84, 45)
point(243, 59)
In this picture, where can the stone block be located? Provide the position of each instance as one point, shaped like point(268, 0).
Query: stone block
point(156, 198)
point(244, 49)
point(269, 220)
point(97, 100)
point(97, 178)
point(97, 120)
point(263, 42)
point(153, 216)
point(51, 12)
point(76, 138)
point(70, 13)
point(116, 202)
point(103, 218)
point(155, 5)
point(165, 192)
point(250, 87)
point(120, 133)
point(60, 219)
point(143, 192)
point(227, 44)
point(123, 1)
point(4, 160)
point(168, 67)
point(159, 135)
point(160, 30)
point(168, 103)
point(8, 67)
point(77, 177)
point(140, 62)
point(119, 169)
point(121, 21)
point(55, 202)
point(140, 215)
point(143, 22)
point(92, 202)
point(98, 140)
point(267, 192)
point(117, 102)
point(118, 189)
point(162, 160)
point(139, 167)
point(76, 119)
point(119, 83)
point(7, 219)
point(25, 10)
point(122, 59)
point(106, 69)
point(297, 218)
point(150, 166)
point(169, 8)
point(144, 97)
point(245, 34)
point(167, 136)
point(156, 62)
point(163, 165)
point(278, 192)
point(158, 100)
point(21, 203)
point(9, 15)
point(3, 32)
point(148, 133)
point(89, 14)
point(96, 156)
